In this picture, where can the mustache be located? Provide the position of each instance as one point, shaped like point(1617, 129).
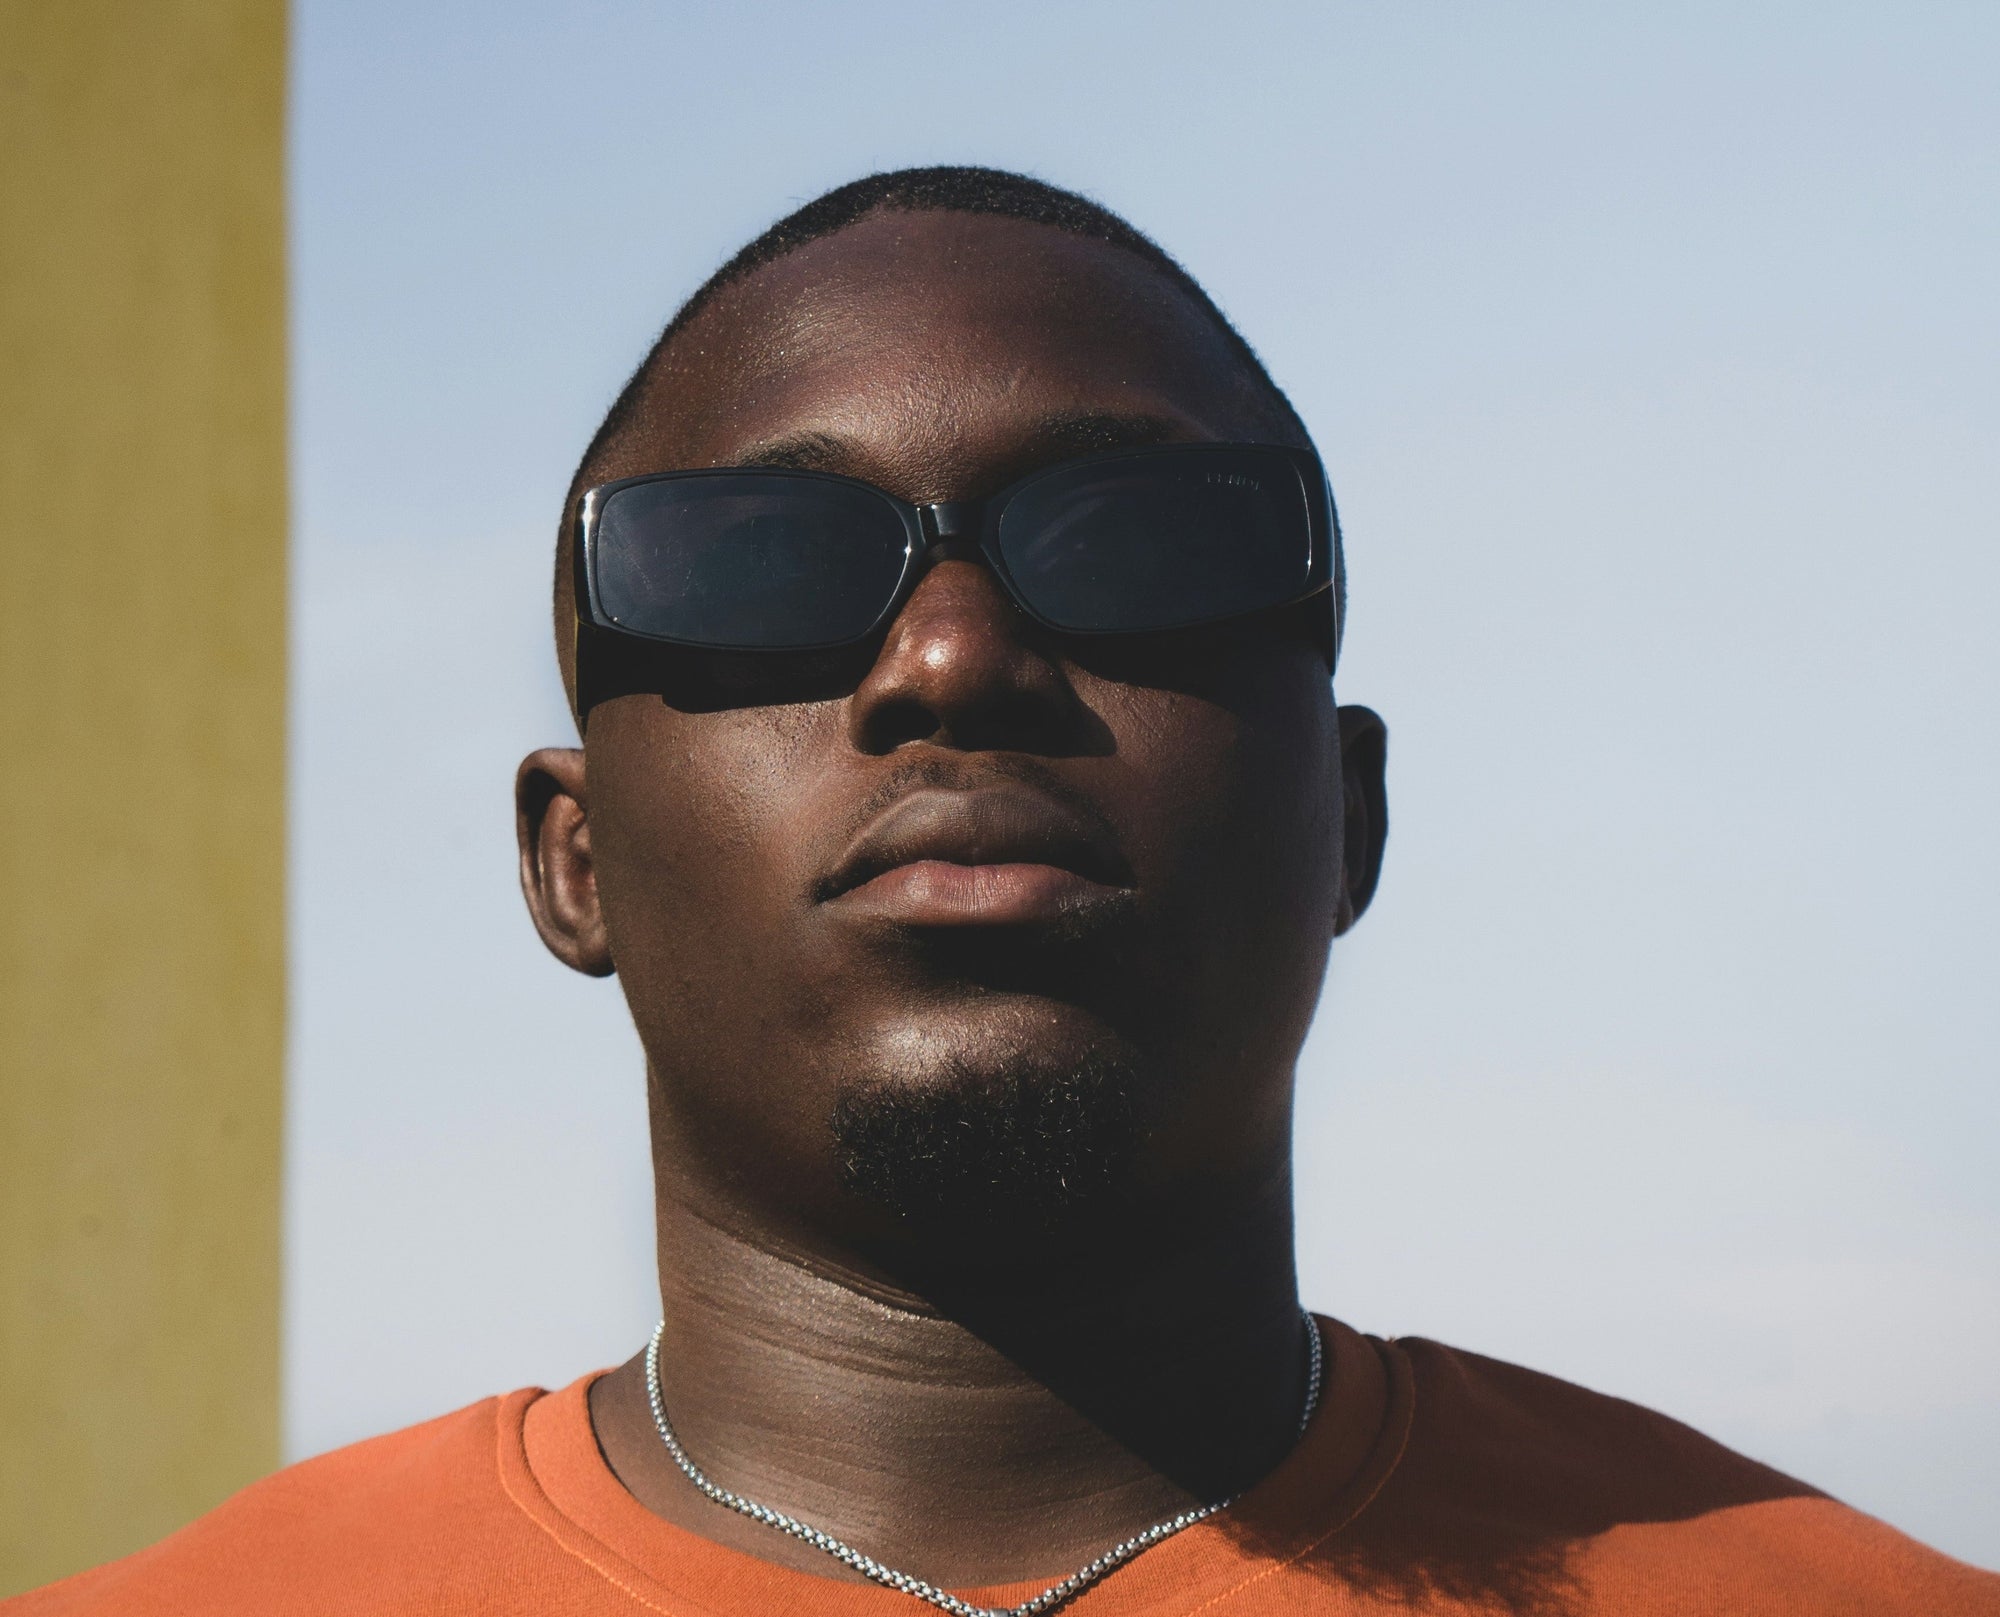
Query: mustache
point(951, 774)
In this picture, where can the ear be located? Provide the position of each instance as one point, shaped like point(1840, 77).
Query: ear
point(1364, 757)
point(557, 877)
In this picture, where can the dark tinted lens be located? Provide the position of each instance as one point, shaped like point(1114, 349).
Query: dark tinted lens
point(747, 561)
point(1159, 543)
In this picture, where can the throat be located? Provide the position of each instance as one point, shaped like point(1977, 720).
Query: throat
point(966, 1436)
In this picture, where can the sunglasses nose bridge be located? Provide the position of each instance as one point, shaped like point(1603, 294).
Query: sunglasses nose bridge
point(951, 533)
point(950, 519)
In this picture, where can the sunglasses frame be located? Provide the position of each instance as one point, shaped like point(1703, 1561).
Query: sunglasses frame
point(974, 522)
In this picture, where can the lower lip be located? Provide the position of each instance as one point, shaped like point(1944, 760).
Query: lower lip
point(931, 892)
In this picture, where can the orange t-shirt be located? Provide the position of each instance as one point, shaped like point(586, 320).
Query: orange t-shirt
point(1431, 1479)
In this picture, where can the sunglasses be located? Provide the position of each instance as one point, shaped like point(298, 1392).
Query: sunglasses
point(1136, 541)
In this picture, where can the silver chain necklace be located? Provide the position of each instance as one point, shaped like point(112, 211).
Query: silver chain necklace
point(869, 1567)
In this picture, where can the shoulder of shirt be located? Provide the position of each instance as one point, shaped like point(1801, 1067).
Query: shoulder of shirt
point(1513, 1480)
point(1557, 1438)
point(424, 1502)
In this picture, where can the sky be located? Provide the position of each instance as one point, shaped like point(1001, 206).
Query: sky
point(1652, 352)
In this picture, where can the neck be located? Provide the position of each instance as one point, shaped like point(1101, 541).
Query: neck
point(970, 1430)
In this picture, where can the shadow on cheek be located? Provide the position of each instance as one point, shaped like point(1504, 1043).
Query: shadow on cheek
point(1225, 663)
point(693, 681)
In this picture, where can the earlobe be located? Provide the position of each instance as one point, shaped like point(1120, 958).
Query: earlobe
point(1364, 756)
point(557, 877)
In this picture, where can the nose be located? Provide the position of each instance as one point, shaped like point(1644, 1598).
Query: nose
point(963, 667)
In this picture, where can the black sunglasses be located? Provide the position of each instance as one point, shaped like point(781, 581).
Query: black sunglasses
point(1132, 542)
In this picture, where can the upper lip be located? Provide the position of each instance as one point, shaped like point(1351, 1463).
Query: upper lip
point(996, 825)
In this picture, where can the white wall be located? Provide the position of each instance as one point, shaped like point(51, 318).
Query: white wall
point(1653, 353)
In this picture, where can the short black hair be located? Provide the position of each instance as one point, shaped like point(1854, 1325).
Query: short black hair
point(944, 189)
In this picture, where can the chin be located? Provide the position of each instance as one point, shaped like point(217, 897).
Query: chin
point(999, 1135)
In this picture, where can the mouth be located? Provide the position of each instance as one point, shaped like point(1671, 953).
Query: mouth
point(998, 856)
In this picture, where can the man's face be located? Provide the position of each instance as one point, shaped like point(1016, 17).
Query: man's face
point(978, 895)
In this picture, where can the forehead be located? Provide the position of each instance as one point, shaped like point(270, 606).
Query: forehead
point(929, 350)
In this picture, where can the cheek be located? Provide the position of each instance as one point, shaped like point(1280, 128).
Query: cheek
point(1234, 792)
point(1231, 794)
point(695, 821)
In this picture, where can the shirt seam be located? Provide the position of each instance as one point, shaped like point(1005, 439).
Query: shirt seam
point(1345, 1522)
point(606, 1573)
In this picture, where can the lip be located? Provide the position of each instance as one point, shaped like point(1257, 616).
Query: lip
point(996, 856)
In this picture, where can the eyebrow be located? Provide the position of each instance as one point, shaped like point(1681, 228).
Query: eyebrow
point(1055, 436)
point(801, 452)
point(1083, 432)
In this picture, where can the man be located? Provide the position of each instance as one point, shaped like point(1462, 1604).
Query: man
point(948, 605)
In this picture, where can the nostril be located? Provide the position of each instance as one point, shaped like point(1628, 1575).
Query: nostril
point(896, 722)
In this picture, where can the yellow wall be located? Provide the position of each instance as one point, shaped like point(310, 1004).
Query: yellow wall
point(142, 662)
